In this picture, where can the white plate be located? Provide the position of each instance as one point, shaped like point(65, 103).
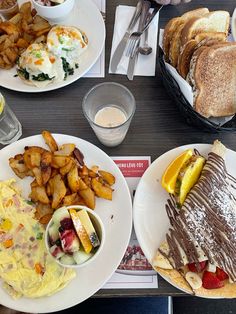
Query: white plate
point(233, 25)
point(150, 219)
point(116, 216)
point(86, 16)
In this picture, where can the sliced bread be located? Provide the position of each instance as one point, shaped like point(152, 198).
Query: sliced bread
point(216, 21)
point(185, 56)
point(173, 25)
point(213, 75)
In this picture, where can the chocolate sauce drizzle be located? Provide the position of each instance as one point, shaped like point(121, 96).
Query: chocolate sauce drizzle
point(205, 227)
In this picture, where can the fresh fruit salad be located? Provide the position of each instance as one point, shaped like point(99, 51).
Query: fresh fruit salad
point(72, 238)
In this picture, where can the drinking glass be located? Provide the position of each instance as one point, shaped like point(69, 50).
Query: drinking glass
point(10, 127)
point(109, 109)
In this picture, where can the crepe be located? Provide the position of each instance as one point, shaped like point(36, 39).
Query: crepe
point(206, 219)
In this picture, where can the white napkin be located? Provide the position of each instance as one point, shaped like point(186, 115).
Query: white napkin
point(146, 65)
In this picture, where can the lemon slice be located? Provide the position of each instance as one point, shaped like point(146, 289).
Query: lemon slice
point(190, 177)
point(171, 173)
point(2, 103)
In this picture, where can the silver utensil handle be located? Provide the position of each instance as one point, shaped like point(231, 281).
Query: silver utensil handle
point(153, 14)
point(135, 16)
point(144, 14)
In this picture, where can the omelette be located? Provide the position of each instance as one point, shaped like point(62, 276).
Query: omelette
point(26, 268)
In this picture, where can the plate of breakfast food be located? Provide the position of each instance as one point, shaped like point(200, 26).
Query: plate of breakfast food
point(63, 204)
point(185, 218)
point(198, 49)
point(38, 54)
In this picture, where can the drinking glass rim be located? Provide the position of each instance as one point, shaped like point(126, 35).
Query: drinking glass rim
point(108, 83)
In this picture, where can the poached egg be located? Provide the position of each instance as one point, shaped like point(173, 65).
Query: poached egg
point(67, 42)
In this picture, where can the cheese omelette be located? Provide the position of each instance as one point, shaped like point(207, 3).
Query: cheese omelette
point(25, 266)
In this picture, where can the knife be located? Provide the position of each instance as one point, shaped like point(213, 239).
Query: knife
point(122, 45)
point(133, 58)
point(143, 27)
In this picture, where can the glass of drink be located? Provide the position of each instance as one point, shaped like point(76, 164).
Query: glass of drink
point(10, 127)
point(109, 109)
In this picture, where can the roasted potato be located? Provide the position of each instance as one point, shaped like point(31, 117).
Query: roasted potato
point(38, 194)
point(50, 141)
point(60, 161)
point(107, 177)
point(65, 150)
point(19, 32)
point(73, 179)
point(88, 197)
point(101, 190)
point(59, 190)
point(60, 177)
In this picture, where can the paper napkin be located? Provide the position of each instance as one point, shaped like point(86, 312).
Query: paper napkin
point(146, 65)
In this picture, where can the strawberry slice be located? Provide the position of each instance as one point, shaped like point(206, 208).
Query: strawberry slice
point(210, 281)
point(220, 274)
point(197, 267)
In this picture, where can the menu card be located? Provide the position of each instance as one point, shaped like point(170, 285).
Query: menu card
point(134, 270)
point(98, 69)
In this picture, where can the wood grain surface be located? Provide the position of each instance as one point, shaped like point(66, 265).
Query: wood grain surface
point(156, 128)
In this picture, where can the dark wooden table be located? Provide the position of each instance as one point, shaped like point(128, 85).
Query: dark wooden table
point(156, 128)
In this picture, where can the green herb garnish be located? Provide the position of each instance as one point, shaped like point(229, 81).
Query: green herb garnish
point(67, 68)
point(42, 77)
point(39, 236)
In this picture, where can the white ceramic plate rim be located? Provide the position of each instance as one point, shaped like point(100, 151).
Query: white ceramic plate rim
point(98, 20)
point(139, 204)
point(109, 258)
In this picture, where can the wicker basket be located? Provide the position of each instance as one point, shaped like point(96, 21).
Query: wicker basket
point(191, 116)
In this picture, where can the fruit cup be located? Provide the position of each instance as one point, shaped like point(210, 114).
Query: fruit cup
point(74, 236)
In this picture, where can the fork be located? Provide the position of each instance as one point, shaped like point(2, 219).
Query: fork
point(135, 36)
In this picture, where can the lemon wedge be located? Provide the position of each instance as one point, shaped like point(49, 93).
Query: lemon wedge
point(190, 177)
point(171, 173)
point(2, 102)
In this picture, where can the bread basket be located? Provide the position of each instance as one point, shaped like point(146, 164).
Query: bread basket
point(191, 116)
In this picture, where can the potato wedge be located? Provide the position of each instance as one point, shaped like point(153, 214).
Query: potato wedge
point(88, 197)
point(64, 170)
point(45, 219)
point(22, 43)
point(101, 190)
point(59, 191)
point(46, 174)
point(73, 199)
point(38, 194)
point(18, 166)
point(46, 159)
point(38, 175)
point(107, 177)
point(42, 210)
point(84, 171)
point(16, 18)
point(50, 141)
point(65, 150)
point(73, 179)
point(60, 161)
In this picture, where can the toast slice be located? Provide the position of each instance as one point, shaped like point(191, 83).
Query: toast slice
point(185, 56)
point(214, 80)
point(216, 21)
point(201, 233)
point(174, 23)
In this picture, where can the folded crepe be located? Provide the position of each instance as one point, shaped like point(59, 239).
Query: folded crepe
point(204, 229)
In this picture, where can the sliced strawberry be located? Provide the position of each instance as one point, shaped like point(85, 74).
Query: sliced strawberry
point(210, 281)
point(197, 267)
point(220, 274)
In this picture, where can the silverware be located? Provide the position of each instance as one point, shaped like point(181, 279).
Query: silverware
point(133, 58)
point(135, 36)
point(122, 45)
point(145, 49)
